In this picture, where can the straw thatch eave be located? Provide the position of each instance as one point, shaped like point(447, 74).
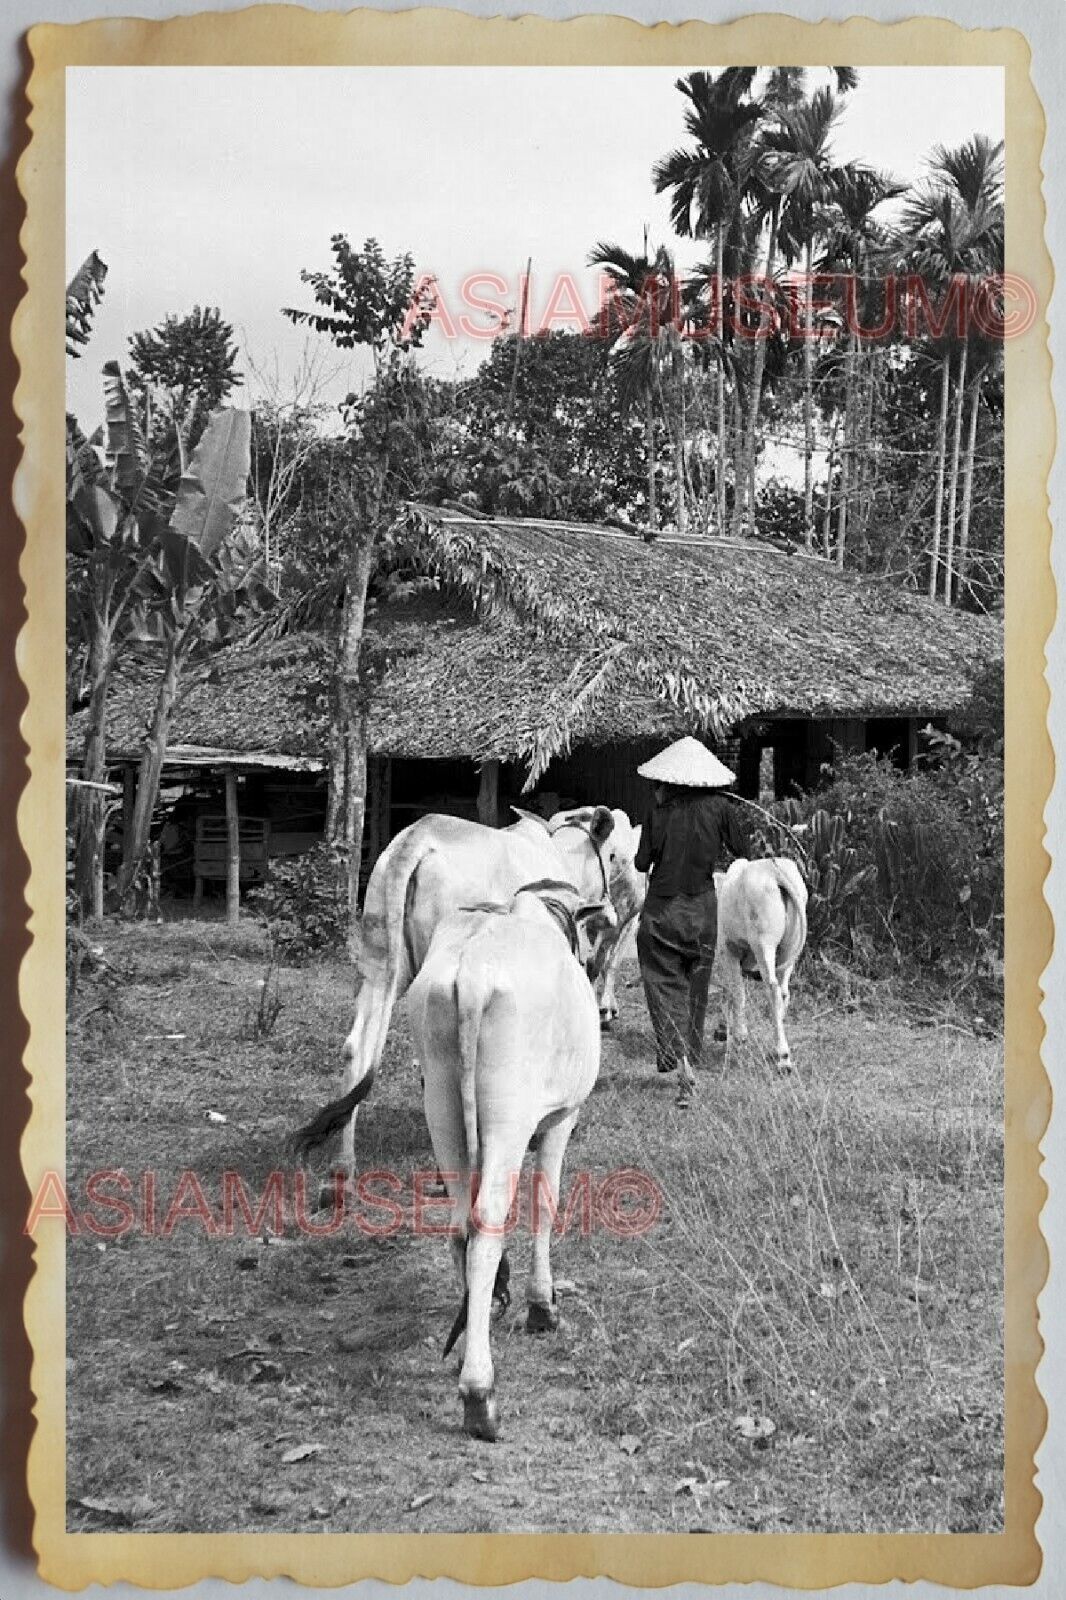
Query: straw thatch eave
point(722, 632)
point(539, 636)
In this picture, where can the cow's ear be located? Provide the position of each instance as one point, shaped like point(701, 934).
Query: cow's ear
point(601, 825)
point(596, 918)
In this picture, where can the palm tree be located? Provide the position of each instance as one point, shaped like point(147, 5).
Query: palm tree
point(793, 131)
point(646, 321)
point(854, 242)
point(708, 183)
point(953, 235)
point(805, 179)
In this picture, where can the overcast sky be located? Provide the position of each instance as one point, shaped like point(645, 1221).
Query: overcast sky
point(215, 186)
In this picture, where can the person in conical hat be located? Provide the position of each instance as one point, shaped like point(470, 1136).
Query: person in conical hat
point(691, 830)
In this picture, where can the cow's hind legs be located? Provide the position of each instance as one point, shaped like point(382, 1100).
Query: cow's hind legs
point(728, 975)
point(484, 1250)
point(543, 1313)
point(778, 994)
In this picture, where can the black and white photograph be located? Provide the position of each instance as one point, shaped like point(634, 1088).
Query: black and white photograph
point(535, 572)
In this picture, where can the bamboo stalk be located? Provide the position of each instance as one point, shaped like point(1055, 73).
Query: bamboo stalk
point(967, 484)
point(953, 485)
point(938, 505)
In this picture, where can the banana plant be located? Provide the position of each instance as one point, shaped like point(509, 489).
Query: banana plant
point(198, 588)
point(113, 504)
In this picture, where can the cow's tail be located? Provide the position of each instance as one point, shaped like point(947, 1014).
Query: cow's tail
point(330, 1118)
point(793, 891)
point(469, 1005)
point(385, 963)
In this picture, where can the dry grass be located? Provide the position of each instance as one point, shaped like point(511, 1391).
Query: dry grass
point(829, 1258)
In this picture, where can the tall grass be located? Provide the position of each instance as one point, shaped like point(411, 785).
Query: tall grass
point(830, 1261)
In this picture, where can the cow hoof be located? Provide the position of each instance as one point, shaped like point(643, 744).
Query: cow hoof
point(721, 1034)
point(784, 1063)
point(607, 1020)
point(541, 1318)
point(480, 1418)
point(338, 1184)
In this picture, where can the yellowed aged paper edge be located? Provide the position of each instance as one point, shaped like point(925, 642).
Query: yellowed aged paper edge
point(290, 36)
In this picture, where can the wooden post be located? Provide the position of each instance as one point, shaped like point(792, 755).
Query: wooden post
point(129, 787)
point(488, 794)
point(748, 769)
point(376, 823)
point(233, 850)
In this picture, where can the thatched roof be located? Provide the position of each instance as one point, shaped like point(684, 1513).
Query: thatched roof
point(721, 631)
point(540, 635)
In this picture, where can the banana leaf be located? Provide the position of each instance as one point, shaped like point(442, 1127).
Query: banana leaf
point(84, 293)
point(125, 441)
point(215, 481)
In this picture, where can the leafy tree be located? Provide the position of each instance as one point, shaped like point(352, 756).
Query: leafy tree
point(560, 443)
point(378, 305)
point(182, 370)
point(646, 320)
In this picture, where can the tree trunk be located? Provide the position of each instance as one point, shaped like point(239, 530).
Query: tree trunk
point(808, 399)
point(866, 488)
point(355, 814)
point(846, 450)
point(953, 481)
point(649, 445)
point(738, 464)
point(91, 809)
point(679, 483)
point(827, 519)
point(347, 777)
point(967, 485)
point(758, 368)
point(941, 456)
point(150, 771)
point(720, 474)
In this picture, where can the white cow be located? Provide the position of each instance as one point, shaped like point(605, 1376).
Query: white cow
point(507, 1028)
point(762, 924)
point(440, 863)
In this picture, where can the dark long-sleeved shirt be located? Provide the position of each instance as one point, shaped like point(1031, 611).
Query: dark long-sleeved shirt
point(684, 839)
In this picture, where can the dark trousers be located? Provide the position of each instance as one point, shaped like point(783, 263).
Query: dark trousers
point(675, 944)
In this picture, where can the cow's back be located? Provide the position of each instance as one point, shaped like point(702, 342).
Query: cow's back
point(433, 868)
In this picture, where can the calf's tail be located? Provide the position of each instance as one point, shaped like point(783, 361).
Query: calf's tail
point(469, 1004)
point(795, 937)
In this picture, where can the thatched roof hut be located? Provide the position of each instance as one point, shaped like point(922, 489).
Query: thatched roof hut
point(539, 636)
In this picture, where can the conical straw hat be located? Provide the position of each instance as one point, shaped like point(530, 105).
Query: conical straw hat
point(690, 764)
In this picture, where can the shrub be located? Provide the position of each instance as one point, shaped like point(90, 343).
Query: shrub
point(906, 869)
point(305, 904)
